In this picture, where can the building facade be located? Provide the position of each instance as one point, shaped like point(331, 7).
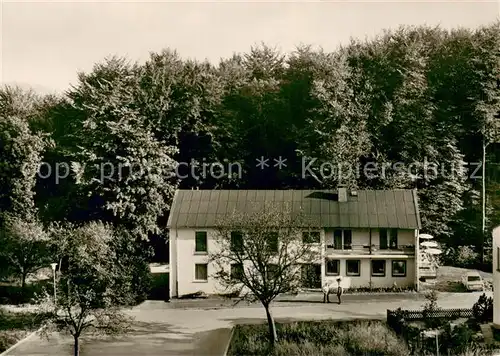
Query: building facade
point(370, 238)
point(496, 277)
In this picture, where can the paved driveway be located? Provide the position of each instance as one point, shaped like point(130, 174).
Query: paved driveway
point(172, 330)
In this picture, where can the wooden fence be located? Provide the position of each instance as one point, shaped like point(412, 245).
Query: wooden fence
point(420, 314)
point(398, 321)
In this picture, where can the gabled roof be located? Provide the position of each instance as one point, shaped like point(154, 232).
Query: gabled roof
point(367, 209)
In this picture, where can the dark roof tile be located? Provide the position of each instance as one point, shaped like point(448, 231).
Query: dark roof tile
point(369, 209)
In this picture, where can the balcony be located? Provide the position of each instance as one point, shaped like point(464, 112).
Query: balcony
point(369, 250)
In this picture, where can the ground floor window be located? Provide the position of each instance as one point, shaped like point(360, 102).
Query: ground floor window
point(353, 267)
point(272, 271)
point(399, 268)
point(201, 271)
point(378, 268)
point(332, 267)
point(236, 271)
point(311, 275)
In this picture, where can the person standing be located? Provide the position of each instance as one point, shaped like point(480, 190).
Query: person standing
point(339, 291)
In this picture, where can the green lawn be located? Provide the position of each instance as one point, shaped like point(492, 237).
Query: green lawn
point(16, 325)
point(312, 338)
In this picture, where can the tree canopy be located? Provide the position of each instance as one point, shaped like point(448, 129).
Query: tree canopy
point(130, 133)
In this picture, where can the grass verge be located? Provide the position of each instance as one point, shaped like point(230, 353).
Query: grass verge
point(312, 338)
point(14, 326)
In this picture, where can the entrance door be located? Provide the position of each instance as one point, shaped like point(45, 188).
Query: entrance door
point(311, 276)
point(160, 287)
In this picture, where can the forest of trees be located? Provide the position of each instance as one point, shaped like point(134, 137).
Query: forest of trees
point(409, 95)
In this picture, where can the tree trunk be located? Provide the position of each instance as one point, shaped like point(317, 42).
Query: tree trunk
point(76, 346)
point(23, 285)
point(273, 336)
point(483, 202)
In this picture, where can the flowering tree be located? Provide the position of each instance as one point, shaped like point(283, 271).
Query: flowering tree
point(93, 287)
point(258, 254)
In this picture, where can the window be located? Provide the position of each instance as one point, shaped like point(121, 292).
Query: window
point(352, 267)
point(347, 239)
point(200, 241)
point(378, 268)
point(272, 241)
point(236, 241)
point(272, 271)
point(201, 272)
point(236, 271)
point(393, 243)
point(311, 237)
point(337, 239)
point(311, 275)
point(332, 267)
point(383, 239)
point(398, 268)
point(342, 240)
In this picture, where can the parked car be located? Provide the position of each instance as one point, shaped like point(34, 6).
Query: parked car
point(473, 281)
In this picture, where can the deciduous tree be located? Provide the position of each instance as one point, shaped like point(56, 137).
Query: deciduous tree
point(25, 246)
point(258, 253)
point(92, 288)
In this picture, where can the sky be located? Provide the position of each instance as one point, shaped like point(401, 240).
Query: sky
point(43, 44)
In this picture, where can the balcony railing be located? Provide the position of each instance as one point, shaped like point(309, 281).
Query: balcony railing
point(370, 249)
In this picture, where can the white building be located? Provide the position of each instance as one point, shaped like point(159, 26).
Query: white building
point(369, 236)
point(496, 277)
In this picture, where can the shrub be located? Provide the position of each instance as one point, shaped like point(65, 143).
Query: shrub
point(14, 294)
point(430, 307)
point(457, 341)
point(393, 289)
point(483, 309)
point(465, 257)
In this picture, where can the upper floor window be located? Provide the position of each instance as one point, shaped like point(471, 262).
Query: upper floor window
point(236, 241)
point(347, 239)
point(311, 237)
point(200, 241)
point(393, 240)
point(383, 242)
point(272, 241)
point(342, 239)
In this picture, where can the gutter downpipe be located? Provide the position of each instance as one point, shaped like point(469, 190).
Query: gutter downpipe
point(370, 258)
point(176, 266)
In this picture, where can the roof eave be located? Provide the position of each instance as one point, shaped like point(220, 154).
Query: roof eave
point(417, 209)
point(169, 221)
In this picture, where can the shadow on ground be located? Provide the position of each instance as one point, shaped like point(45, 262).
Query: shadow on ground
point(144, 338)
point(347, 298)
